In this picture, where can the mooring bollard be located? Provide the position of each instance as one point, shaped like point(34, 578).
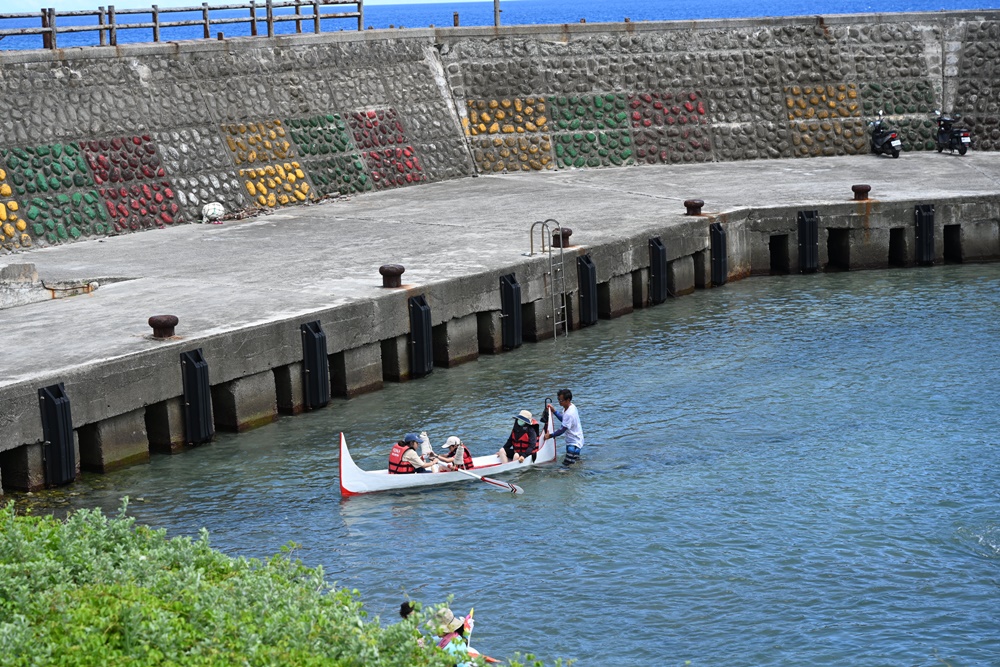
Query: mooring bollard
point(163, 325)
point(861, 192)
point(560, 237)
point(391, 274)
point(693, 206)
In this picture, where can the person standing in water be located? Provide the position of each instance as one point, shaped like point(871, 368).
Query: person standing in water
point(569, 417)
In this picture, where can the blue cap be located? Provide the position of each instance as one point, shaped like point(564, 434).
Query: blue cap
point(411, 437)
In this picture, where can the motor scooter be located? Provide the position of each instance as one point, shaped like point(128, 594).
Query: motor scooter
point(884, 139)
point(951, 137)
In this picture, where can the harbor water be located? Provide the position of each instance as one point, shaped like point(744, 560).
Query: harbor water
point(782, 471)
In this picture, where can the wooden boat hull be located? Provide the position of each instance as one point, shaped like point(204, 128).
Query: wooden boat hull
point(355, 481)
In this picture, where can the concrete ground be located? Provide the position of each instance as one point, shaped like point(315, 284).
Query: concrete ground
point(217, 278)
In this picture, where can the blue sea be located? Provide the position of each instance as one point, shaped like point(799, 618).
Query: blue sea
point(513, 12)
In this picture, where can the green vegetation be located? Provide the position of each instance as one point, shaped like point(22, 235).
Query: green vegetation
point(93, 590)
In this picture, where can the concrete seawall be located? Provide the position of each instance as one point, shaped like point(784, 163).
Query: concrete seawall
point(106, 141)
point(243, 307)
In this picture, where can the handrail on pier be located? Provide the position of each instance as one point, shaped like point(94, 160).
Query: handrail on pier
point(107, 25)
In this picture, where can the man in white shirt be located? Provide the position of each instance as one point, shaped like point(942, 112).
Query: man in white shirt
point(570, 420)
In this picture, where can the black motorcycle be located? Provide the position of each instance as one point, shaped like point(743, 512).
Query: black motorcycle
point(884, 140)
point(951, 137)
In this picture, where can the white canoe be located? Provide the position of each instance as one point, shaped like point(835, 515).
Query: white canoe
point(354, 480)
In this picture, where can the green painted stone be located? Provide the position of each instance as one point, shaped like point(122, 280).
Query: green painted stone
point(56, 168)
point(56, 212)
point(30, 173)
point(69, 163)
point(603, 152)
point(63, 199)
point(563, 124)
point(40, 203)
point(626, 140)
point(17, 178)
point(588, 125)
point(598, 102)
point(77, 199)
point(38, 228)
point(98, 228)
point(21, 153)
point(81, 164)
point(52, 238)
point(615, 160)
point(71, 149)
point(90, 197)
point(74, 232)
point(57, 150)
point(80, 180)
point(580, 162)
point(89, 212)
point(560, 150)
point(42, 183)
point(591, 137)
point(77, 217)
point(30, 187)
point(51, 224)
point(102, 214)
point(36, 163)
point(41, 150)
point(594, 162)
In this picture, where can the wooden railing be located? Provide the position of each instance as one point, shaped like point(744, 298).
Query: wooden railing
point(107, 21)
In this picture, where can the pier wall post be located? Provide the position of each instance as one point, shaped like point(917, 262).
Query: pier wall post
point(456, 341)
point(245, 403)
point(115, 442)
point(165, 426)
point(357, 371)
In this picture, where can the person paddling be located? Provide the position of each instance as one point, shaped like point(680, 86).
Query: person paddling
point(404, 460)
point(570, 420)
point(458, 455)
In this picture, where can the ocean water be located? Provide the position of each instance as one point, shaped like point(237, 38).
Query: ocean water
point(513, 12)
point(797, 470)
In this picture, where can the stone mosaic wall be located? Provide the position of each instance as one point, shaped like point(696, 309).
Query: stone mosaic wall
point(687, 95)
point(111, 144)
point(978, 89)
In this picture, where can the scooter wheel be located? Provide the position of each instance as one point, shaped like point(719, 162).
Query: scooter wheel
point(895, 153)
point(962, 150)
point(940, 148)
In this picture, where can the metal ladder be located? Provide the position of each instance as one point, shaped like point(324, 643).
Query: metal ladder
point(554, 278)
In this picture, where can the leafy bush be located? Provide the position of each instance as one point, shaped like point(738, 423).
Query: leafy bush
point(93, 590)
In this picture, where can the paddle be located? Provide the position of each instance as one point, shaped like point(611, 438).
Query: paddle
point(512, 488)
point(469, 624)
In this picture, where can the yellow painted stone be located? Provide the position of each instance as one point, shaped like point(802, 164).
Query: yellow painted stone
point(522, 144)
point(529, 111)
point(277, 122)
point(505, 104)
point(504, 152)
point(280, 171)
point(21, 225)
point(251, 189)
point(789, 102)
point(242, 129)
point(518, 105)
point(3, 212)
point(291, 178)
point(484, 118)
point(3, 174)
point(25, 240)
point(482, 128)
point(280, 131)
point(269, 170)
point(287, 187)
point(530, 101)
point(852, 93)
point(530, 127)
point(494, 104)
point(300, 196)
point(282, 199)
point(832, 104)
point(810, 112)
point(520, 130)
point(498, 166)
point(271, 183)
point(304, 187)
point(494, 128)
point(252, 157)
point(231, 142)
point(823, 114)
point(545, 159)
point(298, 172)
point(532, 149)
point(8, 229)
point(540, 121)
point(802, 103)
point(841, 97)
point(268, 145)
point(272, 201)
point(507, 129)
point(498, 141)
point(12, 206)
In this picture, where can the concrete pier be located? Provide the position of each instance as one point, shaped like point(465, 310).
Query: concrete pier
point(245, 310)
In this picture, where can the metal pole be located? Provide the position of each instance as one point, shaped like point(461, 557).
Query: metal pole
point(496, 13)
point(361, 14)
point(156, 23)
point(454, 19)
point(270, 19)
point(102, 36)
point(46, 36)
point(253, 18)
point(208, 24)
point(298, 12)
point(113, 32)
point(316, 28)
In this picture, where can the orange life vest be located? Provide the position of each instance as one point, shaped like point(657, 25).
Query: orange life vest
point(520, 437)
point(466, 459)
point(396, 464)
